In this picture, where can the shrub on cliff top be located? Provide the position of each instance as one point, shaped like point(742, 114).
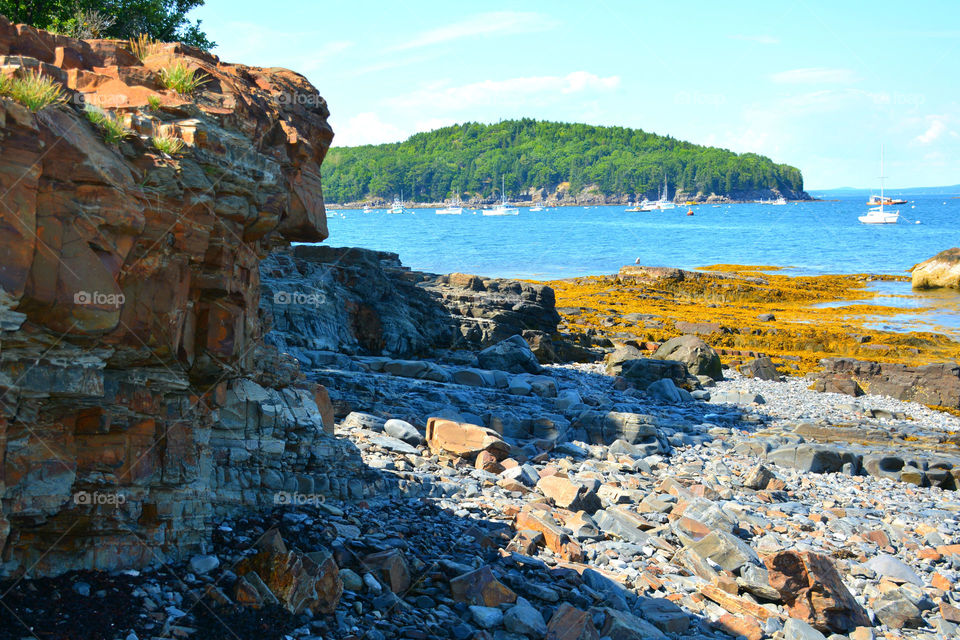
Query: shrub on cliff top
point(110, 126)
point(33, 90)
point(182, 79)
point(163, 20)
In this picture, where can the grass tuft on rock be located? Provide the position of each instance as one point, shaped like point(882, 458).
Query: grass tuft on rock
point(170, 145)
point(143, 46)
point(183, 80)
point(110, 126)
point(33, 90)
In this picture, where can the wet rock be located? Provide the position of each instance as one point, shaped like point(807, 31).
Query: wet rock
point(813, 591)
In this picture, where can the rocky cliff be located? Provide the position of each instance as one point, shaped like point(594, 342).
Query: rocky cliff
point(138, 397)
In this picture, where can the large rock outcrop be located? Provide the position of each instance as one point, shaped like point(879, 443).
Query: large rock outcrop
point(934, 384)
point(138, 397)
point(940, 271)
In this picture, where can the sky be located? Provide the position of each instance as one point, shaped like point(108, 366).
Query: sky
point(819, 85)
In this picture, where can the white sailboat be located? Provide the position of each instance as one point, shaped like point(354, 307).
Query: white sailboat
point(536, 207)
point(878, 215)
point(453, 209)
point(779, 201)
point(502, 208)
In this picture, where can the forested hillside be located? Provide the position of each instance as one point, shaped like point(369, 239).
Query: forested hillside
point(469, 159)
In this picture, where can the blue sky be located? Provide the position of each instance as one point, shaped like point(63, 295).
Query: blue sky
point(809, 83)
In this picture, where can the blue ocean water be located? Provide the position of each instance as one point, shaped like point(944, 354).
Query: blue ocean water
point(811, 237)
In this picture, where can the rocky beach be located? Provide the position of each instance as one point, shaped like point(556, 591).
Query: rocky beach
point(211, 430)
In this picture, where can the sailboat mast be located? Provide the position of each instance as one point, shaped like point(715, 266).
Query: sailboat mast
point(881, 178)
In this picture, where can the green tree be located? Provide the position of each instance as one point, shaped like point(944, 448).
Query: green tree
point(164, 20)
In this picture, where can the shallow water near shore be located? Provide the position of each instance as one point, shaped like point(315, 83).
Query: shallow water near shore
point(811, 237)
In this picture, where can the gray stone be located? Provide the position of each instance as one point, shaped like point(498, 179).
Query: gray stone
point(663, 614)
point(403, 430)
point(204, 564)
point(697, 355)
point(808, 457)
point(761, 368)
point(486, 617)
point(522, 618)
point(513, 355)
point(665, 390)
point(894, 568)
point(525, 474)
point(351, 581)
point(796, 629)
point(896, 610)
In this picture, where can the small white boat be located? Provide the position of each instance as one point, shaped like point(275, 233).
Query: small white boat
point(398, 205)
point(367, 209)
point(453, 209)
point(536, 207)
point(663, 204)
point(781, 201)
point(502, 208)
point(879, 215)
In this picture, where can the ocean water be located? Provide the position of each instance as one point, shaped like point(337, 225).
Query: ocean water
point(809, 237)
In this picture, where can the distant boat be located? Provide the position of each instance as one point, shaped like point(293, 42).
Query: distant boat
point(536, 207)
point(453, 209)
point(644, 205)
point(878, 215)
point(502, 208)
point(876, 200)
point(398, 205)
point(367, 209)
point(779, 201)
point(663, 204)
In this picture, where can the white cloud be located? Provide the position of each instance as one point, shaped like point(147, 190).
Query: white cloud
point(365, 128)
point(438, 96)
point(255, 44)
point(814, 75)
point(483, 24)
point(760, 39)
point(322, 55)
point(936, 129)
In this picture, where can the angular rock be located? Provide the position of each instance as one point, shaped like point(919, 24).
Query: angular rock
point(567, 494)
point(554, 537)
point(813, 591)
point(481, 588)
point(298, 582)
point(522, 618)
point(391, 567)
point(620, 625)
point(893, 568)
point(761, 368)
point(464, 440)
point(897, 611)
point(570, 623)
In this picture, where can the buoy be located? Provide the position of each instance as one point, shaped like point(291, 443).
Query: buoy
point(917, 222)
point(689, 212)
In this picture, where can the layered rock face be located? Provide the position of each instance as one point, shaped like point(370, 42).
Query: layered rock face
point(138, 398)
point(363, 302)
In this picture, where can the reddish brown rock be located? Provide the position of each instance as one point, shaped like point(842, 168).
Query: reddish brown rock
point(481, 588)
point(813, 591)
point(488, 462)
point(554, 537)
point(298, 582)
point(464, 440)
point(570, 623)
point(392, 568)
point(741, 625)
point(568, 494)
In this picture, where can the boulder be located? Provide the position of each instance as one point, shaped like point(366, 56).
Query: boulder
point(893, 568)
point(523, 619)
point(940, 271)
point(697, 355)
point(810, 458)
point(571, 623)
point(464, 440)
point(621, 625)
point(812, 590)
point(402, 430)
point(761, 368)
point(933, 384)
point(896, 610)
point(554, 536)
point(666, 391)
point(481, 588)
point(297, 582)
point(512, 355)
point(568, 494)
